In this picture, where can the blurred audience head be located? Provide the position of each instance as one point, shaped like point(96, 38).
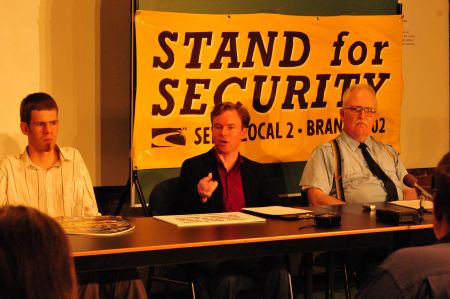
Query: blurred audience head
point(35, 256)
point(442, 197)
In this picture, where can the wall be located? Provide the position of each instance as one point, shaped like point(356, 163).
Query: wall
point(425, 112)
point(79, 51)
point(52, 46)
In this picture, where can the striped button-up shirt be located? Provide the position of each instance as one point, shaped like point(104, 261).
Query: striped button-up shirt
point(65, 189)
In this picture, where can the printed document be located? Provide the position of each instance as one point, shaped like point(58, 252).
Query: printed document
point(210, 219)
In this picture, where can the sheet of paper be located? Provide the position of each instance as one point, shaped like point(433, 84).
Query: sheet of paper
point(210, 219)
point(277, 210)
point(415, 204)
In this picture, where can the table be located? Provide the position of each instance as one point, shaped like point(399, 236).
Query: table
point(154, 242)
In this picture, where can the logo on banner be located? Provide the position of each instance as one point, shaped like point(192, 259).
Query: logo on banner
point(168, 137)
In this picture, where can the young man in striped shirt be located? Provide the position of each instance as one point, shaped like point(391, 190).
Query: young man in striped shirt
point(55, 180)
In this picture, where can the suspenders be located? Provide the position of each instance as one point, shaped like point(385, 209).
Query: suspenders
point(337, 170)
point(338, 167)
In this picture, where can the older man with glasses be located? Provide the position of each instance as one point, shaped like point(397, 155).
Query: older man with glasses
point(355, 168)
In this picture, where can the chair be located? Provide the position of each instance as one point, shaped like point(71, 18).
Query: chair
point(163, 196)
point(334, 263)
point(108, 198)
point(160, 202)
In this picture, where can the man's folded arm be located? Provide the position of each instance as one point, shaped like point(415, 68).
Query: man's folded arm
point(317, 197)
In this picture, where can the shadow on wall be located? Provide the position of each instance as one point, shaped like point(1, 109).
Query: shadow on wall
point(9, 146)
point(115, 85)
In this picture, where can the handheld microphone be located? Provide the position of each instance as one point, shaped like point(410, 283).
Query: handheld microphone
point(411, 181)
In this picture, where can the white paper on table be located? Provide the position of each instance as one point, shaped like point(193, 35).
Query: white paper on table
point(210, 219)
point(415, 203)
point(277, 210)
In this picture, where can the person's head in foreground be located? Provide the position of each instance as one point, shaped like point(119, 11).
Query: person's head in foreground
point(423, 271)
point(35, 256)
point(441, 202)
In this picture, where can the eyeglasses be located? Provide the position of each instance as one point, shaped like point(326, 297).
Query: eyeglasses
point(358, 109)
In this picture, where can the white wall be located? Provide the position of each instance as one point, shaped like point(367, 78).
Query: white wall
point(52, 46)
point(425, 111)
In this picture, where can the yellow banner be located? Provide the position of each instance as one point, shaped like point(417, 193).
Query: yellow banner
point(289, 71)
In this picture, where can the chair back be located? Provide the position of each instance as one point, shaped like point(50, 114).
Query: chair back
point(163, 197)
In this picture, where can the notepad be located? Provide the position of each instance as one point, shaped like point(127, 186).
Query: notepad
point(210, 219)
point(277, 210)
point(280, 212)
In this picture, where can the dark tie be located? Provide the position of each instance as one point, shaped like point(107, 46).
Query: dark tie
point(379, 173)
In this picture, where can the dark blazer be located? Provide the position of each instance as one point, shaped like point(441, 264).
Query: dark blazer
point(256, 184)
